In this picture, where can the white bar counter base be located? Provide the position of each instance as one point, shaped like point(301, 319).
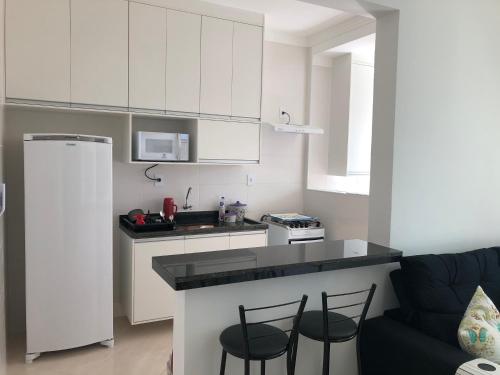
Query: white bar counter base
point(202, 314)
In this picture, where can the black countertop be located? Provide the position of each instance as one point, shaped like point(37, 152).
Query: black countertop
point(193, 228)
point(198, 270)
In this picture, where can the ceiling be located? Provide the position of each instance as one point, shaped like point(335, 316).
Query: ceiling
point(296, 18)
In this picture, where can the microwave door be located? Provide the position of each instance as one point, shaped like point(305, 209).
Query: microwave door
point(160, 147)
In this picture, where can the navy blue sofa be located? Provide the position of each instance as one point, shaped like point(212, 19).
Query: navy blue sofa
point(434, 291)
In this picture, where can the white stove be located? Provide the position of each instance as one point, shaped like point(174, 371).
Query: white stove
point(292, 228)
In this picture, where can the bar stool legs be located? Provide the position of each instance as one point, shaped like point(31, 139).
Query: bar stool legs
point(223, 363)
point(326, 358)
point(328, 326)
point(262, 367)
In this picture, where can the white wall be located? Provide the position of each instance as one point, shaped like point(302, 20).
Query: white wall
point(279, 179)
point(345, 216)
point(446, 179)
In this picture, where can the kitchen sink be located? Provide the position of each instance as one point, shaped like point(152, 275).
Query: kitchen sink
point(196, 218)
point(196, 227)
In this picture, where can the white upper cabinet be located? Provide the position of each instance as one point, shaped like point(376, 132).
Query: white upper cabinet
point(247, 70)
point(116, 53)
point(38, 50)
point(216, 66)
point(147, 56)
point(231, 142)
point(99, 52)
point(183, 61)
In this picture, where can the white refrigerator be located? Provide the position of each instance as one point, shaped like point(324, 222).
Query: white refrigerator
point(68, 242)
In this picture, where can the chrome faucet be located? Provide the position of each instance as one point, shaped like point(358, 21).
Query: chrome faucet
point(187, 206)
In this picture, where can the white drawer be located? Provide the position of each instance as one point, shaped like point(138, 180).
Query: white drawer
point(198, 244)
point(247, 239)
point(153, 297)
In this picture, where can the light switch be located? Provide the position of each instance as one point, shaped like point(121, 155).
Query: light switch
point(250, 179)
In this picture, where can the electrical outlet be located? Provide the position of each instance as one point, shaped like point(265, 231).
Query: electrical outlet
point(281, 117)
point(250, 179)
point(161, 182)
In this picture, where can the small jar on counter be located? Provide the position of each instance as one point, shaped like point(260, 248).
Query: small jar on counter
point(240, 209)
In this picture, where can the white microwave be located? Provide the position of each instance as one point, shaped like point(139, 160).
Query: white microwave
point(154, 146)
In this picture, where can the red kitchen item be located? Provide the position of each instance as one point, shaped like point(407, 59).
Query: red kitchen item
point(139, 219)
point(169, 207)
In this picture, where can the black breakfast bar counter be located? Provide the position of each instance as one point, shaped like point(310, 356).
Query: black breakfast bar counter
point(198, 270)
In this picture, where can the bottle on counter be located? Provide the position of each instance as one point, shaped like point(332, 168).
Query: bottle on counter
point(222, 209)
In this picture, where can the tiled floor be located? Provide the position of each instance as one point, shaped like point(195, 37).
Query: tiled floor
point(138, 350)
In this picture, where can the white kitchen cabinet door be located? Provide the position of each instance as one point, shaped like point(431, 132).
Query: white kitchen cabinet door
point(247, 70)
point(147, 56)
point(183, 61)
point(216, 66)
point(228, 141)
point(38, 50)
point(153, 298)
point(199, 244)
point(247, 240)
point(99, 52)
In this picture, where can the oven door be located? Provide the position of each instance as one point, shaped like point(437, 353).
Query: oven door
point(305, 240)
point(158, 146)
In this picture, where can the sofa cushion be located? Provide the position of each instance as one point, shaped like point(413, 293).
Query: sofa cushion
point(479, 331)
point(440, 287)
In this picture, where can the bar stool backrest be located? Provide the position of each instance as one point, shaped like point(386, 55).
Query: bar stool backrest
point(362, 316)
point(293, 337)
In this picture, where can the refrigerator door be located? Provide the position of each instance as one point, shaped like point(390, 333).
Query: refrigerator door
point(68, 243)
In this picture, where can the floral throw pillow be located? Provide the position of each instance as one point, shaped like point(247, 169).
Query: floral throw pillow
point(479, 331)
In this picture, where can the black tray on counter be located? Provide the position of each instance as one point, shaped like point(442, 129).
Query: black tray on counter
point(149, 226)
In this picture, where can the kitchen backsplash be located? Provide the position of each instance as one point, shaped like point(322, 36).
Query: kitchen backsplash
point(278, 181)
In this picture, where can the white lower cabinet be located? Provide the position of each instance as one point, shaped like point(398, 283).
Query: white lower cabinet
point(199, 244)
point(243, 240)
point(145, 296)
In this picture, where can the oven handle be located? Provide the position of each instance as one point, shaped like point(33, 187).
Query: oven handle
point(306, 240)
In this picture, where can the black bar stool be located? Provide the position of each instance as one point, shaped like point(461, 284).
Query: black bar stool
point(260, 341)
point(331, 327)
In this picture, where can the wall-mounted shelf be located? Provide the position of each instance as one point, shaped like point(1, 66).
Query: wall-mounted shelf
point(211, 142)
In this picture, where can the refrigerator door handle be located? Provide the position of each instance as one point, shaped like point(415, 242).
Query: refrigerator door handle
point(2, 199)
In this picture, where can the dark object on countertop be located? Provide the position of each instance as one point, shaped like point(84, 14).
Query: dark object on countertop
point(259, 341)
point(199, 270)
point(434, 291)
point(332, 327)
point(188, 223)
point(152, 223)
point(132, 214)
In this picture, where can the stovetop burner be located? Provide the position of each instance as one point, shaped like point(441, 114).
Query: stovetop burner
point(294, 220)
